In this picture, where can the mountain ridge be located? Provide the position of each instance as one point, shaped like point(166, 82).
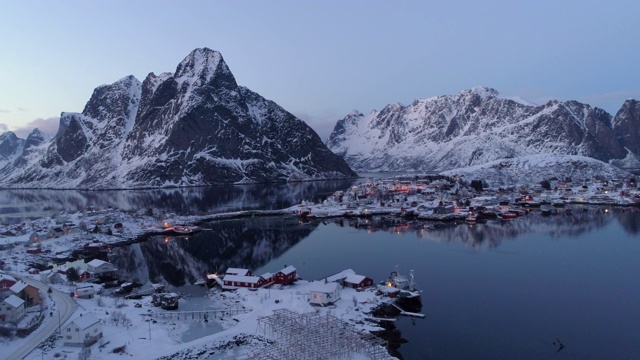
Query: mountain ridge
point(478, 126)
point(193, 127)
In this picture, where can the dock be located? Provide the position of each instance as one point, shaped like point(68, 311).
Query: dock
point(408, 313)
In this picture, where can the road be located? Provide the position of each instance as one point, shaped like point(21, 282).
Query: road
point(62, 306)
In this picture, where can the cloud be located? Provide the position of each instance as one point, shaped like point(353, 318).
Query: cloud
point(3, 128)
point(49, 126)
point(22, 109)
point(3, 111)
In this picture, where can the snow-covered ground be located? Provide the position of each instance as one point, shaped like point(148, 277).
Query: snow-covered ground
point(128, 326)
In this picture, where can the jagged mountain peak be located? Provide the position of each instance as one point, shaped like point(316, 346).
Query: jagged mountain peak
point(202, 64)
point(193, 127)
point(35, 138)
point(482, 91)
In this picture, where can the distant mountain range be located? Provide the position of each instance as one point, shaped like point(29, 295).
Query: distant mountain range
point(193, 127)
point(196, 126)
point(478, 126)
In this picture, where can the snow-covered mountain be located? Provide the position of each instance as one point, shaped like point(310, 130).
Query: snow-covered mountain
point(192, 127)
point(478, 126)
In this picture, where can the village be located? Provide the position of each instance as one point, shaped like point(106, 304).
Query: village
point(60, 295)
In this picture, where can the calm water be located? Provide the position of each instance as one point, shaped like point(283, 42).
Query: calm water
point(500, 290)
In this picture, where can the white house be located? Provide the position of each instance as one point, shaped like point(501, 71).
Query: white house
point(321, 293)
point(12, 308)
point(84, 330)
point(98, 266)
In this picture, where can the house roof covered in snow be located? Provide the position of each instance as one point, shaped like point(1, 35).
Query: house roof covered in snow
point(354, 279)
point(85, 321)
point(288, 270)
point(341, 275)
point(237, 271)
point(14, 301)
point(97, 263)
point(19, 286)
point(7, 277)
point(321, 287)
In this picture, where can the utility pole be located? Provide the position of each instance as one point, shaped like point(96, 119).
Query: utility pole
point(149, 328)
point(59, 324)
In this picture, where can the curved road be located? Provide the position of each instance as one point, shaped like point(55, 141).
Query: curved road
point(64, 308)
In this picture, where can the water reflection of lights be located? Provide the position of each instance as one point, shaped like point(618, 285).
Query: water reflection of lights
point(166, 239)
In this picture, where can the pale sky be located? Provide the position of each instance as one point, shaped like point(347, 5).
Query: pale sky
point(321, 59)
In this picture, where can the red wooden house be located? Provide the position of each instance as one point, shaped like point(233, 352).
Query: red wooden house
point(238, 281)
point(285, 276)
point(357, 281)
point(6, 282)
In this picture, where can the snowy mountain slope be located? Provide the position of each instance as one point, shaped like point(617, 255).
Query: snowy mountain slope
point(478, 126)
point(535, 168)
point(192, 127)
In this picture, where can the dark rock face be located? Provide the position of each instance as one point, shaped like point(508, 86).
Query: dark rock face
point(477, 126)
point(193, 127)
point(627, 125)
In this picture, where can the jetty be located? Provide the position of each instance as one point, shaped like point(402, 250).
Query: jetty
point(407, 313)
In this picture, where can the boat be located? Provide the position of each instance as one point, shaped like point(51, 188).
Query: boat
point(303, 213)
point(400, 286)
point(507, 215)
point(472, 218)
point(185, 230)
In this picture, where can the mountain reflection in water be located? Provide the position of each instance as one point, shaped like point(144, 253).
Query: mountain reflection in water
point(253, 243)
point(28, 204)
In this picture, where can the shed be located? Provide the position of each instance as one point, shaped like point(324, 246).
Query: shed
point(82, 331)
point(323, 293)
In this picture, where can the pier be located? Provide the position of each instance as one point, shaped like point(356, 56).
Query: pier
point(408, 313)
